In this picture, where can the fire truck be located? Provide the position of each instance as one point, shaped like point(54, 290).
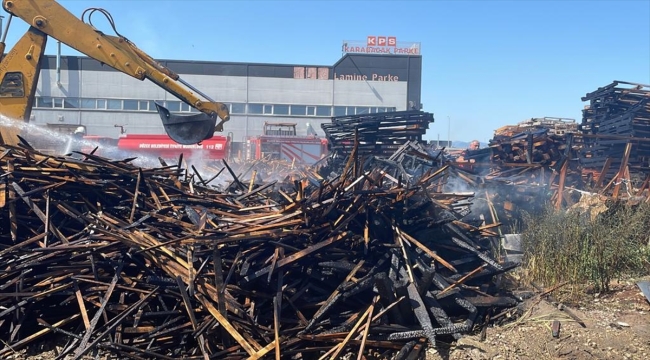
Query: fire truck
point(215, 148)
point(282, 142)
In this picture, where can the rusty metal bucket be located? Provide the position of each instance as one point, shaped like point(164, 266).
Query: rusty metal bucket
point(187, 129)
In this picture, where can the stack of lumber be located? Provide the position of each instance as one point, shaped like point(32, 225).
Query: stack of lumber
point(523, 170)
point(533, 146)
point(156, 263)
point(378, 134)
point(617, 114)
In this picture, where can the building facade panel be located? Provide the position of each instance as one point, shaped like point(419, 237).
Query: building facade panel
point(106, 101)
point(290, 91)
point(370, 93)
point(225, 89)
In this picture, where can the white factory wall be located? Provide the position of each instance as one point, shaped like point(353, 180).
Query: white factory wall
point(227, 89)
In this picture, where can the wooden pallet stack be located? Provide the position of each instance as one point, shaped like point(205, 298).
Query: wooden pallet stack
point(617, 114)
point(523, 169)
point(156, 263)
point(531, 146)
point(379, 134)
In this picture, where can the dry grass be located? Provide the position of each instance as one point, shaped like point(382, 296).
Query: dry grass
point(561, 246)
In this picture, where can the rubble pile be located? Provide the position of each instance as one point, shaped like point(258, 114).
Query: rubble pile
point(617, 114)
point(159, 263)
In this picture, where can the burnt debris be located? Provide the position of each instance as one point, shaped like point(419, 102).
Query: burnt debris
point(370, 257)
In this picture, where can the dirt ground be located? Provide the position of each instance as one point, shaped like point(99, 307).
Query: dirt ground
point(617, 327)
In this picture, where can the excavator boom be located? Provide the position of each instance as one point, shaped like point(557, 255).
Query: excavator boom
point(51, 19)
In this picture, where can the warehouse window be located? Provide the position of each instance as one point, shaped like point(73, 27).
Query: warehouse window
point(235, 108)
point(238, 108)
point(89, 103)
point(44, 102)
point(363, 110)
point(174, 106)
point(71, 103)
point(255, 108)
point(114, 104)
point(323, 111)
point(131, 105)
point(298, 110)
point(185, 107)
point(281, 109)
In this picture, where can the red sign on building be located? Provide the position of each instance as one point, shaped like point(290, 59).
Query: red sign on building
point(382, 41)
point(381, 45)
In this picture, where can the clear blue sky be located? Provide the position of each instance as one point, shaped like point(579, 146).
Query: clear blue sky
point(485, 63)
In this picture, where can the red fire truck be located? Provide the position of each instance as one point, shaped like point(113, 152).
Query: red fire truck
point(280, 141)
point(215, 148)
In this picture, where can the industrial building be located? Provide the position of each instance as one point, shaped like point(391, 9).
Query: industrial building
point(75, 91)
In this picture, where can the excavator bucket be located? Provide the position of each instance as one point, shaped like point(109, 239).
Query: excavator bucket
point(187, 129)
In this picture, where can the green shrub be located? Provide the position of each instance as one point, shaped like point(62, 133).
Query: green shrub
point(563, 246)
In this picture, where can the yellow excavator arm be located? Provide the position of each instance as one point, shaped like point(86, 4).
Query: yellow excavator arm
point(49, 18)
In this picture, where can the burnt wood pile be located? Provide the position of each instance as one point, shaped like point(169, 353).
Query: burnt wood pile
point(153, 263)
point(378, 134)
point(523, 170)
point(531, 146)
point(617, 114)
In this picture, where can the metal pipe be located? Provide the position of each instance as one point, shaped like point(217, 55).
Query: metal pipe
point(4, 34)
point(195, 90)
point(58, 64)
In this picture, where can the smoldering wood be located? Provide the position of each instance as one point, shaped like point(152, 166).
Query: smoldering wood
point(360, 251)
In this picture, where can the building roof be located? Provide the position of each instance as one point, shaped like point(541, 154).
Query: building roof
point(201, 67)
